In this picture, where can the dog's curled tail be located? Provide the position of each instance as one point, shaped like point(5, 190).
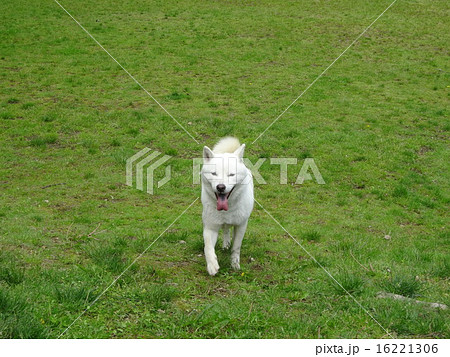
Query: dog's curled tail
point(228, 144)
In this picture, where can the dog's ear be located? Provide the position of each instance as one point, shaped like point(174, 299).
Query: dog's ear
point(240, 151)
point(207, 153)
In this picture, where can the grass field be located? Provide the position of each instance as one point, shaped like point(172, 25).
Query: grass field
point(376, 125)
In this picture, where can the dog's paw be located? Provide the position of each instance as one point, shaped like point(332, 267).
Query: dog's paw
point(235, 263)
point(226, 244)
point(212, 267)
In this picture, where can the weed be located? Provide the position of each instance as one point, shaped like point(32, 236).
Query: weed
point(312, 236)
point(405, 285)
point(351, 282)
point(44, 140)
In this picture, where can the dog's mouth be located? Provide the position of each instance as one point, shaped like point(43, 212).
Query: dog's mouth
point(222, 200)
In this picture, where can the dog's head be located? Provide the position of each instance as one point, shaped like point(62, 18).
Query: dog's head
point(223, 172)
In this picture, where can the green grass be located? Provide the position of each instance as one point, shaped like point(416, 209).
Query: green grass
point(11, 272)
point(352, 283)
point(17, 318)
point(407, 286)
point(376, 125)
point(74, 297)
point(312, 236)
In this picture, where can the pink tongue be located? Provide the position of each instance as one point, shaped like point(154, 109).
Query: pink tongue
point(222, 203)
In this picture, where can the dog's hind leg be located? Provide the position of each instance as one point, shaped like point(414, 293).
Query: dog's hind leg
point(238, 235)
point(226, 237)
point(210, 238)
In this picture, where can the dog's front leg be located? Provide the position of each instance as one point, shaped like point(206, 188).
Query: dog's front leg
point(238, 235)
point(210, 238)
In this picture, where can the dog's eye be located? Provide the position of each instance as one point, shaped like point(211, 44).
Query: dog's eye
point(214, 173)
point(231, 174)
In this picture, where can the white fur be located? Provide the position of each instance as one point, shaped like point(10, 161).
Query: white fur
point(226, 145)
point(225, 159)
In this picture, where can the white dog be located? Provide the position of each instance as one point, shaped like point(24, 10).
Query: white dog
point(227, 197)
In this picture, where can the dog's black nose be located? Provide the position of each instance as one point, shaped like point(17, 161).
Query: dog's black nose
point(220, 187)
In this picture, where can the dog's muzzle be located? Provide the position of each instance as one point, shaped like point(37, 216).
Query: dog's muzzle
point(222, 198)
